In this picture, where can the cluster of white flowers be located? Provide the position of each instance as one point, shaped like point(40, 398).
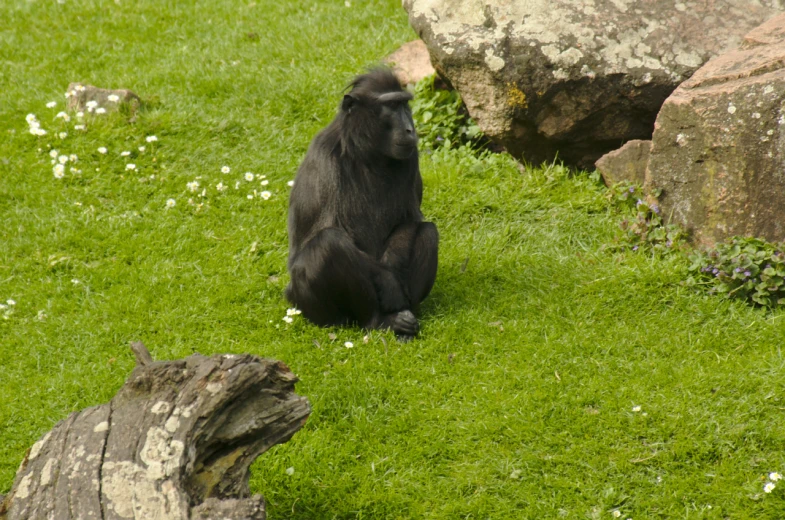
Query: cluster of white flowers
point(7, 308)
point(769, 486)
point(59, 162)
point(78, 88)
point(35, 126)
point(290, 313)
point(151, 138)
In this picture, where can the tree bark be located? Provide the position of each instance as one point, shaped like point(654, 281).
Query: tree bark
point(174, 443)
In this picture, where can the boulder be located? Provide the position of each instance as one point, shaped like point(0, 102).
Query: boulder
point(628, 163)
point(718, 151)
point(548, 78)
point(83, 97)
point(411, 62)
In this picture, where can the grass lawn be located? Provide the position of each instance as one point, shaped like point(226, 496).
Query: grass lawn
point(538, 342)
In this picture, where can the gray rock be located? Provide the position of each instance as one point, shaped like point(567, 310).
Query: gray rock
point(628, 163)
point(718, 151)
point(87, 98)
point(557, 77)
point(411, 62)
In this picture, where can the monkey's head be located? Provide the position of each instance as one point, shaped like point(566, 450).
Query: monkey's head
point(377, 118)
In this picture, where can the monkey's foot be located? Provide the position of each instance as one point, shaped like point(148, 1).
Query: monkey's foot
point(403, 323)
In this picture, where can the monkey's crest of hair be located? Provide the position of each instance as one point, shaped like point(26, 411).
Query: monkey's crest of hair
point(374, 82)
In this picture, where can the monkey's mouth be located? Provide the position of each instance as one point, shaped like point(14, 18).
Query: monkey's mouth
point(404, 149)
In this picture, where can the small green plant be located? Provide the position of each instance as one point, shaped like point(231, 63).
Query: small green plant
point(746, 268)
point(441, 119)
point(646, 229)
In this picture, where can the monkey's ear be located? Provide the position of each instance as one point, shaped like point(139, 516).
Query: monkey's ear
point(347, 103)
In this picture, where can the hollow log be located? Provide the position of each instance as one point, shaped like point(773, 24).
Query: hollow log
point(174, 443)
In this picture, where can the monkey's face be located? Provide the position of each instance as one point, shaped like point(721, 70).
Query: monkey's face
point(399, 140)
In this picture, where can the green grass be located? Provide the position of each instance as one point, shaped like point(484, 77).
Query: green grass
point(515, 402)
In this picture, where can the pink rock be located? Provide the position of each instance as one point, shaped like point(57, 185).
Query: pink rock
point(718, 151)
point(411, 62)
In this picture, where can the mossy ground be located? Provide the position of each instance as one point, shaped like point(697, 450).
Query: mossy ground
point(537, 342)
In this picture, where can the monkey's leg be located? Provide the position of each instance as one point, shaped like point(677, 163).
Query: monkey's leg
point(413, 252)
point(334, 283)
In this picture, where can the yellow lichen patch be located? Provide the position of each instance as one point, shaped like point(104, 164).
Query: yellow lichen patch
point(516, 97)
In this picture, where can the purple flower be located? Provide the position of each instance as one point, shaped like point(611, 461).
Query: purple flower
point(632, 189)
point(655, 208)
point(737, 270)
point(669, 243)
point(639, 202)
point(768, 266)
point(747, 274)
point(715, 271)
point(439, 138)
point(635, 248)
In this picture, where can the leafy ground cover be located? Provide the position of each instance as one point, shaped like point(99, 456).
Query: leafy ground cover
point(555, 376)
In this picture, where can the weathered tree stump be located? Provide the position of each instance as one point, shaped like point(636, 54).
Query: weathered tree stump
point(174, 443)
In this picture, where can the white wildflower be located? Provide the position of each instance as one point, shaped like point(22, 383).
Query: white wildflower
point(266, 195)
point(64, 116)
point(37, 131)
point(80, 114)
point(249, 196)
point(91, 105)
point(616, 513)
point(288, 319)
point(193, 186)
point(30, 118)
point(75, 281)
point(51, 104)
point(79, 127)
point(125, 154)
point(769, 487)
point(102, 149)
point(348, 344)
point(636, 408)
point(290, 471)
point(114, 98)
point(130, 166)
point(290, 183)
point(53, 154)
point(62, 159)
point(293, 312)
point(220, 186)
point(100, 110)
point(264, 183)
point(81, 88)
point(248, 176)
point(10, 302)
point(170, 203)
point(151, 138)
point(237, 185)
point(59, 171)
point(73, 157)
point(774, 476)
point(141, 148)
point(41, 316)
point(225, 169)
point(62, 135)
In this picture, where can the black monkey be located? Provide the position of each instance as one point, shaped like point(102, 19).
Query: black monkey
point(359, 251)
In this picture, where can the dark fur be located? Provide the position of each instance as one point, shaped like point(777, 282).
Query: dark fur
point(359, 251)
